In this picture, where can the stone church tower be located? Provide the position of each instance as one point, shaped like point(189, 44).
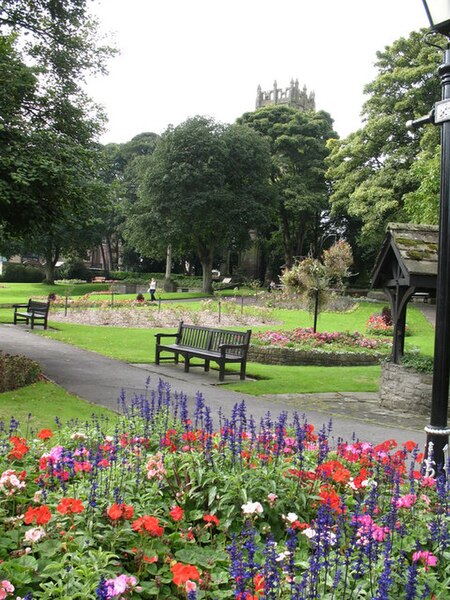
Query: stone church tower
point(292, 96)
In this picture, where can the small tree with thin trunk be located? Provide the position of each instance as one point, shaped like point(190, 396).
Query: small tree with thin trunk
point(314, 279)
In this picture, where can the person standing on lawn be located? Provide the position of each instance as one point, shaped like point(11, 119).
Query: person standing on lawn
point(152, 289)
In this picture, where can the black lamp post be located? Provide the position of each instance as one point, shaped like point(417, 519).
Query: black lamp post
point(438, 12)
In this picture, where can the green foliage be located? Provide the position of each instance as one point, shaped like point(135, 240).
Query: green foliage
point(371, 170)
point(18, 273)
point(298, 147)
point(205, 187)
point(418, 362)
point(75, 269)
point(17, 371)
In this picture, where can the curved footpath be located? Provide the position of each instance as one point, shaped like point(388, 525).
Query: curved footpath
point(100, 380)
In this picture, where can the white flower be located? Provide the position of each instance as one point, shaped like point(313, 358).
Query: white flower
point(35, 534)
point(79, 435)
point(291, 517)
point(283, 555)
point(309, 532)
point(251, 508)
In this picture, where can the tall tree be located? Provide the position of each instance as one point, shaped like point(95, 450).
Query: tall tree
point(298, 150)
point(48, 125)
point(204, 189)
point(370, 170)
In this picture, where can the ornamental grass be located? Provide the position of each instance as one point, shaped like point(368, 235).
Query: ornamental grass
point(167, 505)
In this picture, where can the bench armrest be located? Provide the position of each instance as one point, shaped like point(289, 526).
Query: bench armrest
point(20, 305)
point(224, 347)
point(158, 336)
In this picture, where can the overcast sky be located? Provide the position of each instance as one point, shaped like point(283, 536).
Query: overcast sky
point(181, 58)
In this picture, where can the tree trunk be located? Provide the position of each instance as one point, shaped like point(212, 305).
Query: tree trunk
point(168, 262)
point(50, 263)
point(105, 263)
point(207, 264)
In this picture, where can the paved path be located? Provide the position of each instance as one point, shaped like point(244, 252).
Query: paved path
point(100, 380)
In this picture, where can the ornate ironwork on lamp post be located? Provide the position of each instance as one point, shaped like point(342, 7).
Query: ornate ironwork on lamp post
point(438, 12)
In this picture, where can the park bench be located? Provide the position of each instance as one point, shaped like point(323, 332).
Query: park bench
point(219, 345)
point(33, 312)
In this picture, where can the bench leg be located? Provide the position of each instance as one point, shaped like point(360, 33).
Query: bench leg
point(221, 371)
point(243, 366)
point(186, 363)
point(177, 358)
point(157, 351)
point(207, 365)
point(32, 321)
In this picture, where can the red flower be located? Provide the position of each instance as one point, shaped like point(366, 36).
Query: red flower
point(148, 524)
point(119, 511)
point(329, 497)
point(176, 513)
point(69, 506)
point(45, 434)
point(41, 515)
point(20, 447)
point(211, 519)
point(182, 573)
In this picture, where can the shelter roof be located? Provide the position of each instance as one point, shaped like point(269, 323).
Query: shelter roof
point(408, 257)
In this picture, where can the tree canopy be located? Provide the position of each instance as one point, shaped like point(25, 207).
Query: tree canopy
point(373, 170)
point(298, 150)
point(48, 126)
point(205, 188)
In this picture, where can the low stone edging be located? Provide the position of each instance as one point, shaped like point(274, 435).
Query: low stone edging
point(405, 390)
point(271, 355)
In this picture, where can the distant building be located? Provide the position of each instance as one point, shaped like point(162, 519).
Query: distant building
point(292, 96)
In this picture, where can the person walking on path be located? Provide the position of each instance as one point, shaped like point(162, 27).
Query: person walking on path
point(152, 289)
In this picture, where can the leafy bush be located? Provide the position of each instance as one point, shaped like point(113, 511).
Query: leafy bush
point(165, 506)
point(17, 371)
point(75, 270)
point(16, 273)
point(418, 362)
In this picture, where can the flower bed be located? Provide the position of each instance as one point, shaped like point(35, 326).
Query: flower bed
point(132, 313)
point(305, 340)
point(165, 506)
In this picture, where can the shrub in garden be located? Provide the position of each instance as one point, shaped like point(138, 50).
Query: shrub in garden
point(17, 273)
point(17, 371)
point(165, 506)
point(75, 269)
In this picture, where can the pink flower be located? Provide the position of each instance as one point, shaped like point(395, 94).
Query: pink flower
point(190, 586)
point(406, 501)
point(425, 557)
point(6, 587)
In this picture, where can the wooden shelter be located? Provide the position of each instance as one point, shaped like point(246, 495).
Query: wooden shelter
point(406, 265)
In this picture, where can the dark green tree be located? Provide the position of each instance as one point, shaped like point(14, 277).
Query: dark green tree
point(48, 126)
point(298, 146)
point(373, 170)
point(205, 188)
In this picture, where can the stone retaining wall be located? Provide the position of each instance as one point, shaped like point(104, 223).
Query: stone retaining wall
point(269, 355)
point(405, 390)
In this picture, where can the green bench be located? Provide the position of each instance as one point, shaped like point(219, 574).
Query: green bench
point(33, 313)
point(222, 346)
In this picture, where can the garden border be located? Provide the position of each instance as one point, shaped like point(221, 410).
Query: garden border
point(272, 355)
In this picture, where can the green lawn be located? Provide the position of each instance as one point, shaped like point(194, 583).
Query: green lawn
point(136, 345)
point(36, 406)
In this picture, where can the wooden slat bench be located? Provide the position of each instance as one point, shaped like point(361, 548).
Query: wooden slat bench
point(34, 313)
point(219, 345)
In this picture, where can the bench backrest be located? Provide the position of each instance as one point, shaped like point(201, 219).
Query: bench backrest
point(194, 336)
point(207, 338)
point(38, 307)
